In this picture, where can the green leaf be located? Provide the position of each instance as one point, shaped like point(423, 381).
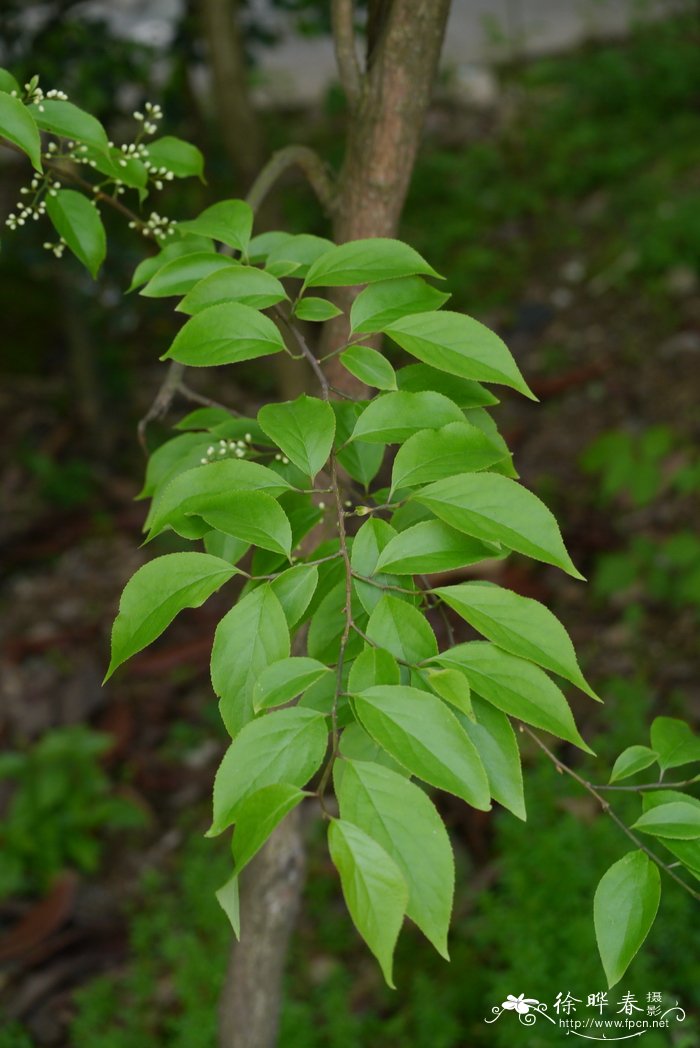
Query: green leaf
point(294, 255)
point(225, 334)
point(237, 283)
point(369, 366)
point(437, 453)
point(374, 889)
point(68, 121)
point(176, 155)
point(361, 461)
point(367, 546)
point(393, 417)
point(180, 274)
point(175, 248)
point(77, 220)
point(674, 742)
point(461, 346)
point(417, 378)
point(688, 851)
point(492, 734)
point(294, 589)
point(387, 301)
point(204, 418)
point(156, 593)
point(316, 309)
point(496, 509)
point(519, 625)
point(260, 814)
point(284, 746)
point(402, 630)
point(208, 484)
point(632, 760)
point(8, 82)
point(432, 546)
point(373, 666)
point(228, 897)
point(366, 262)
point(284, 680)
point(230, 222)
point(357, 745)
point(227, 547)
point(18, 126)
point(172, 457)
point(480, 417)
point(328, 624)
point(452, 686)
point(261, 245)
point(252, 516)
point(515, 686)
point(679, 820)
point(396, 814)
point(624, 908)
point(418, 730)
point(303, 429)
point(250, 636)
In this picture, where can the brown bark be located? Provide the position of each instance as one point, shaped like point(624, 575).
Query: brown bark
point(239, 124)
point(384, 134)
point(250, 1004)
point(385, 129)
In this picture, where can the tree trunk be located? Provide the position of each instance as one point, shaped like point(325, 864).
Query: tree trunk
point(388, 107)
point(386, 126)
point(238, 122)
point(383, 136)
point(271, 887)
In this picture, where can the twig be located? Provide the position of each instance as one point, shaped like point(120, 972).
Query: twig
point(605, 806)
point(162, 401)
point(387, 586)
point(317, 174)
point(198, 398)
point(344, 553)
point(343, 24)
point(644, 787)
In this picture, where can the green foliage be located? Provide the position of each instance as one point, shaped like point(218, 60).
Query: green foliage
point(597, 156)
point(625, 905)
point(60, 804)
point(366, 658)
point(643, 469)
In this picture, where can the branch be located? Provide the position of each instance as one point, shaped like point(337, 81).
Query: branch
point(645, 787)
point(343, 23)
point(163, 399)
point(309, 162)
point(605, 806)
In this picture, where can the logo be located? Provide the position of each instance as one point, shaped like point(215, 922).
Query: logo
point(599, 1019)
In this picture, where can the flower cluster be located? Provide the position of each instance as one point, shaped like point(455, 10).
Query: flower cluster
point(57, 249)
point(156, 226)
point(22, 210)
point(233, 448)
point(150, 118)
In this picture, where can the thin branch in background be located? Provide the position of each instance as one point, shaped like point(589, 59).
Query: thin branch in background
point(163, 399)
point(605, 806)
point(316, 171)
point(343, 24)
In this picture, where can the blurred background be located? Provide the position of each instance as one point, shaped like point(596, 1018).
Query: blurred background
point(558, 188)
